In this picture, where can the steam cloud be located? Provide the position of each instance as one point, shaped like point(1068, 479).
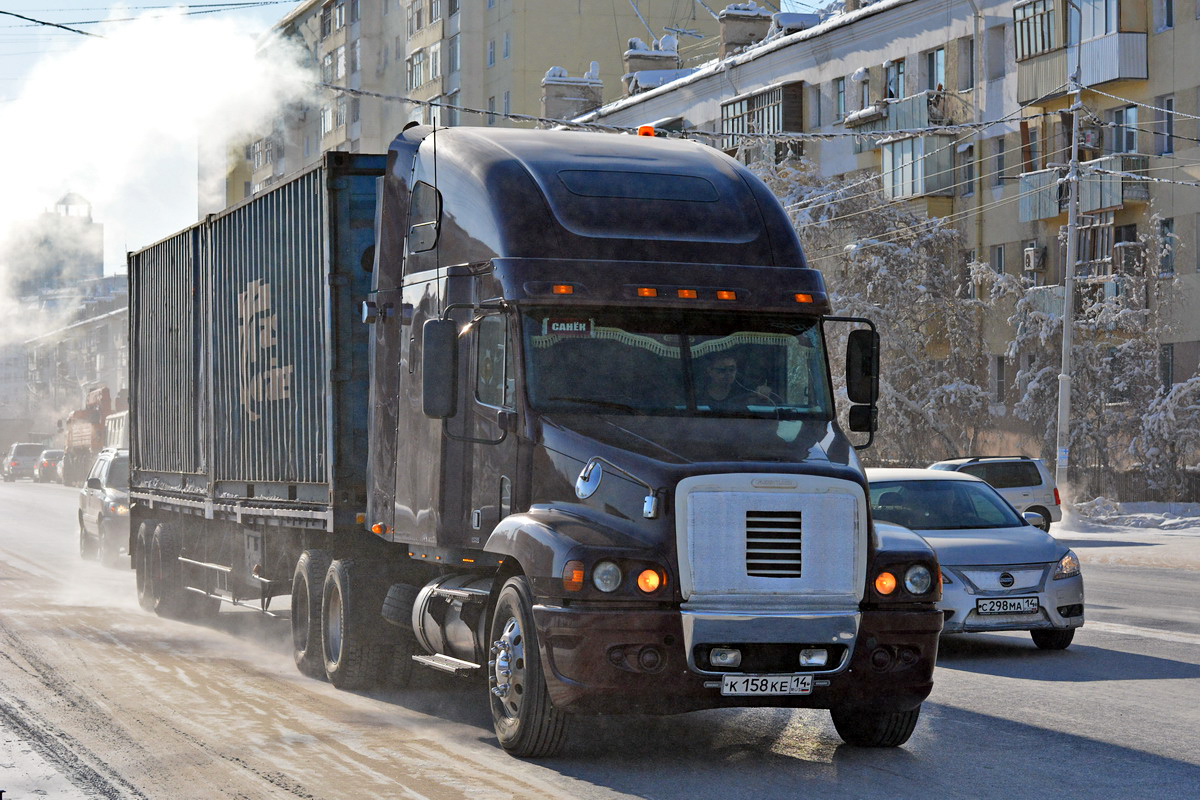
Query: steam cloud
point(120, 120)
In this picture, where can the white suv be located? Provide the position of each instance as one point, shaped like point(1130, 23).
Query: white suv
point(1023, 481)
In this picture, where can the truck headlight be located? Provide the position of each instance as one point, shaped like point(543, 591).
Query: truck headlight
point(918, 579)
point(1068, 566)
point(606, 576)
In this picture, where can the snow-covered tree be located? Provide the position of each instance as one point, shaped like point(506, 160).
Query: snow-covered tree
point(885, 262)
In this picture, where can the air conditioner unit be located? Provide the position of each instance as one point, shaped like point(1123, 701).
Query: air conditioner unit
point(1035, 259)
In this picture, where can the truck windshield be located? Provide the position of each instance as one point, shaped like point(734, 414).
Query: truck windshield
point(683, 363)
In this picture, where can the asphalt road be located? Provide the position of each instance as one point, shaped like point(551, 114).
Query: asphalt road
point(101, 699)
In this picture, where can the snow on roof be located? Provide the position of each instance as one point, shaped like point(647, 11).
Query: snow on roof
point(749, 54)
point(654, 78)
point(750, 9)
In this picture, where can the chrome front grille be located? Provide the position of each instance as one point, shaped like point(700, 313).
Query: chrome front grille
point(774, 545)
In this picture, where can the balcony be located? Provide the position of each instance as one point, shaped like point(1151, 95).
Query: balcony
point(1042, 76)
point(1112, 57)
point(1101, 192)
point(1044, 197)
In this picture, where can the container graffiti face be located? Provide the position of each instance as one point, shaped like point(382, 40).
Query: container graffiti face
point(263, 379)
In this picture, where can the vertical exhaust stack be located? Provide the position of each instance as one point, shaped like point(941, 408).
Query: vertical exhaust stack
point(742, 24)
point(564, 97)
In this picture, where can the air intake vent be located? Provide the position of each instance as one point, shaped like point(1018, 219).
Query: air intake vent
point(773, 544)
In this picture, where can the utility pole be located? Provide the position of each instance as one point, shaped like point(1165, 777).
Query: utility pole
point(1068, 315)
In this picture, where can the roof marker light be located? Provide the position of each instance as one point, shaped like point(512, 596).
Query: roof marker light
point(647, 291)
point(563, 288)
point(687, 294)
point(725, 294)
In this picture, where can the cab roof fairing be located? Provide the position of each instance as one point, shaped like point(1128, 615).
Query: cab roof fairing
point(603, 196)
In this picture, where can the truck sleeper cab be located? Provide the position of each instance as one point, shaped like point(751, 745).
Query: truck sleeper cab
point(613, 357)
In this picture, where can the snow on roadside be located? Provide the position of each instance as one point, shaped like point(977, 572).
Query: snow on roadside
point(1163, 535)
point(1103, 515)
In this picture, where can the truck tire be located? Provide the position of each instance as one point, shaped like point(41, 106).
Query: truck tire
point(355, 657)
point(141, 565)
point(170, 597)
point(307, 585)
point(526, 722)
point(865, 728)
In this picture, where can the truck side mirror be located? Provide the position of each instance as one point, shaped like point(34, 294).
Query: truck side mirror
point(862, 367)
point(439, 368)
point(863, 419)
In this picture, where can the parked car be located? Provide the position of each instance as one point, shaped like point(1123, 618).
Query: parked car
point(999, 571)
point(47, 466)
point(1024, 482)
point(104, 508)
point(21, 460)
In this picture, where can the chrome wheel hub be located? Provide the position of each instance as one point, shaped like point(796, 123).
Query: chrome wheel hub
point(507, 667)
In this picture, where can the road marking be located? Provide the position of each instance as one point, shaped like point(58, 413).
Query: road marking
point(1146, 633)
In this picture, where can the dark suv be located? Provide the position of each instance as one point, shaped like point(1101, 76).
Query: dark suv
point(104, 508)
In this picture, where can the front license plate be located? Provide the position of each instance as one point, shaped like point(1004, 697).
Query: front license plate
point(1007, 605)
point(766, 684)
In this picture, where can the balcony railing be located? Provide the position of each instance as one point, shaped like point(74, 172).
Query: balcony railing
point(1044, 195)
point(1112, 57)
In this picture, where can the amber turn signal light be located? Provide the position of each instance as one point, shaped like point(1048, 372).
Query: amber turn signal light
point(803, 298)
point(573, 576)
point(885, 583)
point(650, 580)
point(562, 288)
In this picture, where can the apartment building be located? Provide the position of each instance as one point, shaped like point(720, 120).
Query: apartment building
point(1141, 98)
point(485, 55)
point(910, 65)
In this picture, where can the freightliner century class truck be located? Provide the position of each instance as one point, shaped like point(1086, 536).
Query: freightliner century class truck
point(548, 409)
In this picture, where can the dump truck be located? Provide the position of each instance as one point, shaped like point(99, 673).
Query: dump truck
point(549, 410)
point(84, 434)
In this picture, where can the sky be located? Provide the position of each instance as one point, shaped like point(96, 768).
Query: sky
point(116, 116)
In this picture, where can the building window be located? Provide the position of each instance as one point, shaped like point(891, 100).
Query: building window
point(491, 53)
point(1166, 14)
point(435, 61)
point(326, 119)
point(327, 68)
point(507, 44)
point(776, 110)
point(865, 92)
point(966, 63)
point(491, 119)
point(416, 69)
point(1096, 18)
point(839, 98)
point(967, 169)
point(452, 114)
point(1166, 258)
point(1033, 24)
point(998, 164)
point(507, 102)
point(895, 79)
point(491, 3)
point(453, 7)
point(1166, 125)
point(356, 56)
point(355, 10)
point(339, 118)
point(814, 101)
point(435, 10)
point(1166, 365)
point(339, 62)
point(935, 70)
point(355, 111)
point(454, 55)
point(1000, 378)
point(1124, 130)
point(333, 17)
point(416, 17)
point(997, 259)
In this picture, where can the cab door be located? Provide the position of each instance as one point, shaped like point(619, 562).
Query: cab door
point(492, 457)
point(93, 498)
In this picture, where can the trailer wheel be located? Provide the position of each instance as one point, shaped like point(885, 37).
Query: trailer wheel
point(170, 597)
point(527, 723)
point(307, 585)
point(141, 565)
point(355, 658)
point(864, 728)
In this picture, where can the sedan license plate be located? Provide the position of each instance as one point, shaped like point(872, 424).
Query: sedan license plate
point(1007, 605)
point(766, 684)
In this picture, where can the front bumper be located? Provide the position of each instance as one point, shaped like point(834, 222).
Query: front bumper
point(1060, 602)
point(594, 663)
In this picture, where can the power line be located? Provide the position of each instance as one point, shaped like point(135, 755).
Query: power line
point(1143, 105)
point(50, 24)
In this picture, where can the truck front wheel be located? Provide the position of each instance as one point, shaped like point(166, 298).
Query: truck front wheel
point(355, 658)
point(865, 728)
point(170, 596)
point(307, 585)
point(527, 723)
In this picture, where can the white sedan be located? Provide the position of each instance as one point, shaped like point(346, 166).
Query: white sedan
point(999, 571)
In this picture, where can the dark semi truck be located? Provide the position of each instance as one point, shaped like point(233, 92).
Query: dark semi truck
point(549, 410)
